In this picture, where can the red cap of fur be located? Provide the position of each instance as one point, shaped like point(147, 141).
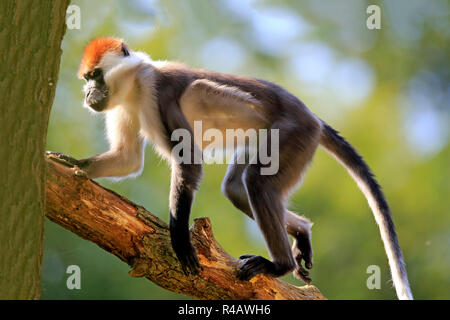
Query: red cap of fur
point(95, 51)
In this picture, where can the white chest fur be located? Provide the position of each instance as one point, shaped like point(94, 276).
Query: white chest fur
point(152, 128)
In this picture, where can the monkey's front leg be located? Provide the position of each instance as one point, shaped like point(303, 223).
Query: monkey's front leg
point(184, 183)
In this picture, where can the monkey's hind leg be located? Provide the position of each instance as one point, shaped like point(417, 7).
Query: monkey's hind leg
point(297, 226)
point(267, 196)
point(268, 210)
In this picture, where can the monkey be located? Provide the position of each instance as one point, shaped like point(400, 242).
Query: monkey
point(145, 101)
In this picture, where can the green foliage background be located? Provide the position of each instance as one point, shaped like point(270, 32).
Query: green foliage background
point(386, 90)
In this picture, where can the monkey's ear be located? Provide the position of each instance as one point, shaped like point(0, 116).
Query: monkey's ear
point(125, 51)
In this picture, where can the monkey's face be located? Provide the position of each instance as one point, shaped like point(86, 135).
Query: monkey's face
point(96, 90)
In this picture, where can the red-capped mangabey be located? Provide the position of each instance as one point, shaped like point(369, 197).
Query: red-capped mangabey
point(146, 100)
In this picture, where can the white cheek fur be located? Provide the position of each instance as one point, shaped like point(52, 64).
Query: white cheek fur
point(114, 67)
point(118, 73)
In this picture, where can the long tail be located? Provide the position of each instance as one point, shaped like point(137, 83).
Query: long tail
point(359, 170)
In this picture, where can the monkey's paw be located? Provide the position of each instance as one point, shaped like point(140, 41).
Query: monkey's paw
point(302, 251)
point(63, 158)
point(301, 273)
point(69, 162)
point(254, 265)
point(189, 261)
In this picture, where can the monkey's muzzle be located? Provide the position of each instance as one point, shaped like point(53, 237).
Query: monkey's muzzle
point(97, 98)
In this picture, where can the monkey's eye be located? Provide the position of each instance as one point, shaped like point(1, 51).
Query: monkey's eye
point(93, 75)
point(96, 73)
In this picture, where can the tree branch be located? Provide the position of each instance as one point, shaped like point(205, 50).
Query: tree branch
point(142, 240)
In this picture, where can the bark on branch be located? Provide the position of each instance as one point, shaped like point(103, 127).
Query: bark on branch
point(142, 240)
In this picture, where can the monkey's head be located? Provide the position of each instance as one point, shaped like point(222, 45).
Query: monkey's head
point(103, 60)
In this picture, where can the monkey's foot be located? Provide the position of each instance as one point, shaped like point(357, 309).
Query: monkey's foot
point(302, 273)
point(302, 251)
point(254, 265)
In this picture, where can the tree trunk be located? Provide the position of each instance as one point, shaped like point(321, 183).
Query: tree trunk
point(30, 37)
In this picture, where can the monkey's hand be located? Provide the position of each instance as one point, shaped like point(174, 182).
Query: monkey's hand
point(189, 261)
point(63, 158)
point(181, 239)
point(68, 161)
